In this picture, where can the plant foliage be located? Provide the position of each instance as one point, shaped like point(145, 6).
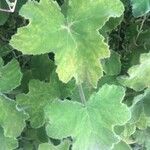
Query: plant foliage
point(75, 75)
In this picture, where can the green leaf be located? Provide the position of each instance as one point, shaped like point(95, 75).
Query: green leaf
point(140, 7)
point(31, 138)
point(11, 118)
point(140, 110)
point(110, 25)
point(4, 48)
point(65, 36)
point(47, 146)
point(10, 76)
point(39, 95)
point(142, 137)
point(7, 143)
point(139, 75)
point(125, 131)
point(41, 67)
point(112, 65)
point(90, 126)
point(122, 146)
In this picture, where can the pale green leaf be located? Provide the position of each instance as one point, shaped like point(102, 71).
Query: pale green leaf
point(7, 143)
point(112, 65)
point(142, 137)
point(10, 76)
point(125, 131)
point(140, 7)
point(39, 95)
point(75, 55)
point(48, 146)
point(122, 146)
point(90, 126)
point(11, 118)
point(108, 80)
point(140, 110)
point(139, 75)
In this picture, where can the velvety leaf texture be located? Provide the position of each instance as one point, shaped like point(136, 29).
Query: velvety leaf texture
point(140, 109)
point(112, 65)
point(122, 146)
point(39, 95)
point(140, 7)
point(8, 113)
point(69, 32)
point(90, 126)
point(10, 76)
point(139, 75)
point(7, 143)
point(142, 137)
point(47, 146)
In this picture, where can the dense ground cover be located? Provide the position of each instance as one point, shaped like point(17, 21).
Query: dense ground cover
point(75, 75)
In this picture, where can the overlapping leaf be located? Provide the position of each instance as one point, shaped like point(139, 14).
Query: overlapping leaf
point(90, 126)
point(112, 65)
point(12, 121)
point(10, 76)
point(31, 138)
point(47, 146)
point(142, 137)
point(139, 75)
point(7, 143)
point(140, 110)
point(122, 146)
point(73, 38)
point(140, 7)
point(39, 95)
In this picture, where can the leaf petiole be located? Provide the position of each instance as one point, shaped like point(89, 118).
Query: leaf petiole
point(81, 93)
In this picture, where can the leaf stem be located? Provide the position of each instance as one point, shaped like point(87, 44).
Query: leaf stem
point(81, 93)
point(141, 27)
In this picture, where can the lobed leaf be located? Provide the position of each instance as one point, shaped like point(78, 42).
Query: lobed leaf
point(10, 76)
point(122, 146)
point(8, 113)
point(140, 110)
point(140, 7)
point(7, 143)
point(47, 146)
point(40, 94)
point(73, 38)
point(90, 126)
point(139, 75)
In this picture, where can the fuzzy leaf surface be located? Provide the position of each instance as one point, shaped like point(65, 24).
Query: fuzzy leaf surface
point(112, 65)
point(139, 75)
point(47, 146)
point(140, 109)
point(90, 126)
point(7, 143)
point(140, 7)
point(39, 95)
point(68, 43)
point(10, 75)
point(121, 146)
point(9, 113)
